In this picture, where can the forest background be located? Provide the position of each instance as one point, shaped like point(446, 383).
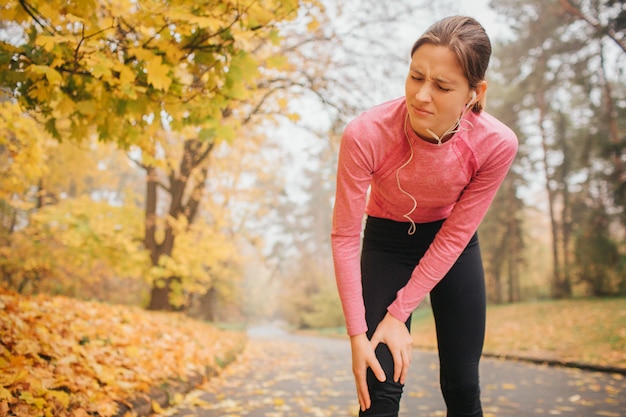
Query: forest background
point(182, 157)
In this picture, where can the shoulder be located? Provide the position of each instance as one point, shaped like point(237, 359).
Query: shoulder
point(378, 121)
point(375, 133)
point(488, 133)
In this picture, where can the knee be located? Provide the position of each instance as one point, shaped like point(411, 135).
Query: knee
point(385, 398)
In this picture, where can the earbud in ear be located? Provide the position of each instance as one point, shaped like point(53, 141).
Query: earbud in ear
point(471, 99)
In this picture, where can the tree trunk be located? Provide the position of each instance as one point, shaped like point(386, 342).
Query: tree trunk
point(566, 217)
point(556, 284)
point(160, 297)
point(193, 162)
point(513, 252)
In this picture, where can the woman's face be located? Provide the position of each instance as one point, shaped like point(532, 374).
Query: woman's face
point(436, 90)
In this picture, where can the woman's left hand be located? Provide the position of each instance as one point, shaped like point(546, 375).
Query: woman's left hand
point(396, 336)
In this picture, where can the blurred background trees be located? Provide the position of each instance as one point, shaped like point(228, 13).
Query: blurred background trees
point(182, 157)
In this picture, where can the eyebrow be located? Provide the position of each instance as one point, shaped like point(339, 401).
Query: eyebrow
point(438, 79)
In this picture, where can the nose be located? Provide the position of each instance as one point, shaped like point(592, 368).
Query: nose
point(423, 93)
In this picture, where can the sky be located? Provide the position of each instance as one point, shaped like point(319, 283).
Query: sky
point(480, 10)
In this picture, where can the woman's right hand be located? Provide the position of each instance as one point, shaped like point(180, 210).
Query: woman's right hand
point(363, 357)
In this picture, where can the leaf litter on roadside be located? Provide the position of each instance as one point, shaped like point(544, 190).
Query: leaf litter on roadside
point(273, 379)
point(64, 357)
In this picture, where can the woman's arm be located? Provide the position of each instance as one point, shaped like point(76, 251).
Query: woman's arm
point(354, 173)
point(457, 230)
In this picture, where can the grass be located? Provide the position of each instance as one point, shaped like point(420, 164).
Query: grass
point(590, 331)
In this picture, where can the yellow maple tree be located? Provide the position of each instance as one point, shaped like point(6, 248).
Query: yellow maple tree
point(127, 68)
point(154, 77)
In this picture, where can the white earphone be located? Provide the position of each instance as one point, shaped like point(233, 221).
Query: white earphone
point(472, 99)
point(454, 128)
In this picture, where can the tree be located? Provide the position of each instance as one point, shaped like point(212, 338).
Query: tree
point(22, 152)
point(128, 69)
point(146, 76)
point(614, 24)
point(566, 114)
point(502, 230)
point(71, 230)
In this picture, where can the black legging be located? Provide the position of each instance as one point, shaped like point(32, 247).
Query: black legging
point(389, 256)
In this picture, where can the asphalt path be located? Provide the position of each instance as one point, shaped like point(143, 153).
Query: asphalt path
point(285, 375)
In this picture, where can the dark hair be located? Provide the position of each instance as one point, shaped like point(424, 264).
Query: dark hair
point(467, 39)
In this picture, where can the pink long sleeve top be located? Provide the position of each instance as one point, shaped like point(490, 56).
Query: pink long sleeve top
point(456, 181)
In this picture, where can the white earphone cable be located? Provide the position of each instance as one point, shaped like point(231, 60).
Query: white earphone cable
point(453, 129)
point(407, 216)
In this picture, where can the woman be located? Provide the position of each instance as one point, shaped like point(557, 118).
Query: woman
point(432, 162)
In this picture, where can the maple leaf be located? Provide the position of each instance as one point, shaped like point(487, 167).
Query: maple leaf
point(158, 73)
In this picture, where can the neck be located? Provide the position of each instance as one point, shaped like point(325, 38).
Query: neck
point(451, 130)
point(438, 140)
point(445, 136)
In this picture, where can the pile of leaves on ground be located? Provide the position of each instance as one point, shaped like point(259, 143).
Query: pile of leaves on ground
point(64, 357)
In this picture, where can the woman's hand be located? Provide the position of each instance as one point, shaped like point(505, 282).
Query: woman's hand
point(363, 357)
point(396, 336)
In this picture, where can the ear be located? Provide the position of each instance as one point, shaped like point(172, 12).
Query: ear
point(481, 96)
point(481, 90)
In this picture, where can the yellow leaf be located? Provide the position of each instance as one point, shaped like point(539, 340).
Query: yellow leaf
point(10, 378)
point(51, 74)
point(29, 399)
point(178, 398)
point(5, 394)
point(87, 107)
point(59, 396)
point(126, 76)
point(47, 42)
point(101, 66)
point(157, 408)
point(132, 351)
point(18, 14)
point(258, 15)
point(212, 24)
point(313, 25)
point(65, 106)
point(278, 62)
point(158, 73)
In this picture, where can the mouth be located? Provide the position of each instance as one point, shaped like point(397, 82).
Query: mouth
point(420, 111)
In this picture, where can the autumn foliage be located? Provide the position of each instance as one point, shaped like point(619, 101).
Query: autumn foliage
point(166, 82)
point(118, 65)
point(62, 357)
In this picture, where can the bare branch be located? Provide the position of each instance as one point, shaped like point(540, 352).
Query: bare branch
point(573, 10)
point(32, 12)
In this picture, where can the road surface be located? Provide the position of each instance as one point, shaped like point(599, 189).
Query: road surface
point(286, 375)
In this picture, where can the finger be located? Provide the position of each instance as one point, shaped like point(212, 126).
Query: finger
point(377, 369)
point(406, 362)
point(363, 392)
point(397, 365)
point(375, 340)
point(373, 362)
